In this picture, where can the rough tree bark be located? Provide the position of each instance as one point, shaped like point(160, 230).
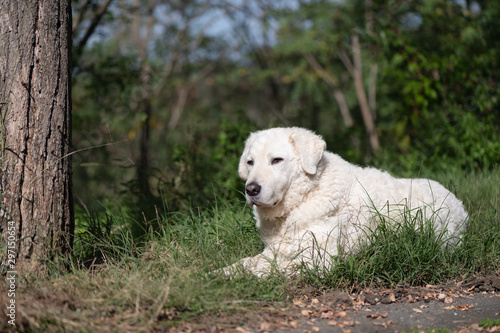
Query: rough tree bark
point(36, 212)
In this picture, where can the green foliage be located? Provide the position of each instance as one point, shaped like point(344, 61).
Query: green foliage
point(208, 166)
point(443, 87)
point(430, 330)
point(487, 322)
point(436, 104)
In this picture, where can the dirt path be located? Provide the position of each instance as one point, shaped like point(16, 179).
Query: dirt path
point(462, 313)
point(458, 308)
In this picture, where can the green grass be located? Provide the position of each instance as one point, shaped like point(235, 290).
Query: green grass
point(120, 283)
point(487, 322)
point(430, 330)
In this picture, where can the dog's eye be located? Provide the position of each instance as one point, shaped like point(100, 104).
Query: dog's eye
point(250, 162)
point(277, 160)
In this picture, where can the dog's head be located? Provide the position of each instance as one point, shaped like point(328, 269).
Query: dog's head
point(272, 159)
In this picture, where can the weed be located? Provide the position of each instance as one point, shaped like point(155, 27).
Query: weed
point(487, 322)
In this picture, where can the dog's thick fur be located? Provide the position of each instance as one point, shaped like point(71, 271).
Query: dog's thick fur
point(307, 200)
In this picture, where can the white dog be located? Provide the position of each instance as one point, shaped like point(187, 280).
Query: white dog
point(308, 201)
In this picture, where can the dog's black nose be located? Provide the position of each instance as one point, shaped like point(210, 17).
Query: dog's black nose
point(253, 189)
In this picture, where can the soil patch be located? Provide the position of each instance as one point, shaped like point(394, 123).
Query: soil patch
point(459, 308)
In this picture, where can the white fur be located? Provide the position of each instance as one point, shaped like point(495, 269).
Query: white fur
point(311, 201)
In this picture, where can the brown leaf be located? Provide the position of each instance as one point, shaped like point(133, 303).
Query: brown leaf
point(333, 315)
point(465, 307)
point(332, 323)
point(417, 310)
point(299, 303)
point(325, 309)
point(377, 315)
point(348, 322)
point(242, 330)
point(315, 328)
point(384, 324)
point(328, 315)
point(307, 313)
point(451, 307)
point(265, 326)
point(341, 314)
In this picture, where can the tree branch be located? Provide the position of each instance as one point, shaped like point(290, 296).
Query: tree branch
point(79, 17)
point(360, 92)
point(337, 93)
point(183, 94)
point(93, 25)
point(347, 62)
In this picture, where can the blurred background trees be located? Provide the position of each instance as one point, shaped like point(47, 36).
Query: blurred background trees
point(166, 91)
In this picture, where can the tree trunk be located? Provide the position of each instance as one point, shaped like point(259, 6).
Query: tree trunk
point(360, 92)
point(36, 212)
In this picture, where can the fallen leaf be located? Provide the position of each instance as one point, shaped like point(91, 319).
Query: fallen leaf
point(242, 330)
point(265, 326)
point(333, 315)
point(307, 313)
point(325, 309)
point(348, 322)
point(314, 301)
point(332, 323)
point(417, 310)
point(377, 315)
point(383, 324)
point(327, 315)
point(341, 314)
point(441, 296)
point(293, 324)
point(451, 307)
point(315, 328)
point(299, 303)
point(465, 307)
point(448, 300)
point(476, 327)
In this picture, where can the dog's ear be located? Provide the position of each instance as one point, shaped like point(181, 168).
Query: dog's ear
point(309, 147)
point(242, 167)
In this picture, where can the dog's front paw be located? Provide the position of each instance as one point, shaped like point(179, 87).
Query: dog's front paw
point(229, 271)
